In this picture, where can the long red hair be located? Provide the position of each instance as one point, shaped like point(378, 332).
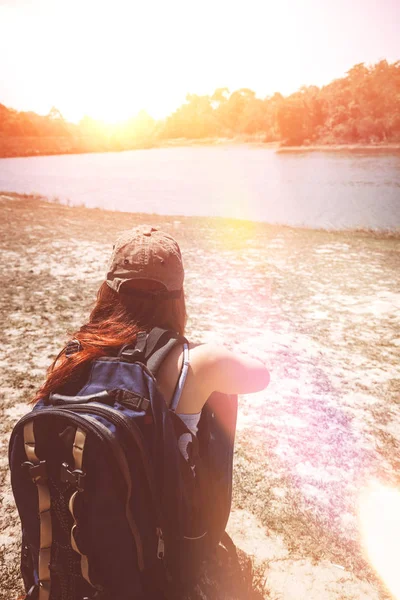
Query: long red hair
point(114, 321)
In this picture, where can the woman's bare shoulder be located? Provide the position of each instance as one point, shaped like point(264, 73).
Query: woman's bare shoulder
point(226, 371)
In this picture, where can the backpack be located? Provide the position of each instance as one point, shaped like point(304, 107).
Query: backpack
point(118, 500)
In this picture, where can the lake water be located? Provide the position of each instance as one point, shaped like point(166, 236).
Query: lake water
point(332, 190)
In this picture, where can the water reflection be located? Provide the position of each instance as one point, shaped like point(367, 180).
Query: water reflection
point(331, 190)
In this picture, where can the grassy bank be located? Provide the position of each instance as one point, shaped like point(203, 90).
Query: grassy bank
point(379, 147)
point(320, 308)
point(19, 146)
point(14, 147)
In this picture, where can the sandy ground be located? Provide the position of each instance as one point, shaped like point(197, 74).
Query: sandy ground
point(316, 452)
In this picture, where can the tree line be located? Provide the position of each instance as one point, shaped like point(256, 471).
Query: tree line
point(362, 107)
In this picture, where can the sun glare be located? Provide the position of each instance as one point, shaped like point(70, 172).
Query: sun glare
point(380, 527)
point(109, 61)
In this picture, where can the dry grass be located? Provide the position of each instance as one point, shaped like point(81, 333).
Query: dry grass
point(320, 308)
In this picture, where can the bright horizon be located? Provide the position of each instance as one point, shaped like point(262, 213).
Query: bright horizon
point(111, 60)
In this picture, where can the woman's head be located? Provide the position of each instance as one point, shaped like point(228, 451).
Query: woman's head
point(143, 289)
point(139, 306)
point(145, 281)
point(146, 254)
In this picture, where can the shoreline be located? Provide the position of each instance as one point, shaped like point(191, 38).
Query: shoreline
point(68, 147)
point(359, 231)
point(341, 148)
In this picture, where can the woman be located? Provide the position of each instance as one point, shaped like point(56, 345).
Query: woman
point(144, 289)
point(68, 443)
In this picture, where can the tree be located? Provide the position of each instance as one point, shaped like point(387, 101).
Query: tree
point(363, 106)
point(55, 115)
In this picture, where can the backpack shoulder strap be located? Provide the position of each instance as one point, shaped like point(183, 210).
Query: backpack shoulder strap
point(159, 344)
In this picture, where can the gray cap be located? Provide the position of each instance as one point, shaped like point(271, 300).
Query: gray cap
point(145, 252)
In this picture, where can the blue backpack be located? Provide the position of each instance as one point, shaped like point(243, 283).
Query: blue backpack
point(118, 500)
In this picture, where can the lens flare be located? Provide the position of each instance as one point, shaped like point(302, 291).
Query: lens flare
point(380, 527)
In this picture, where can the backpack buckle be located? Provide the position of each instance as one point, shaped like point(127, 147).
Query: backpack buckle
point(135, 352)
point(138, 402)
point(132, 354)
point(37, 472)
point(130, 399)
point(76, 477)
point(72, 347)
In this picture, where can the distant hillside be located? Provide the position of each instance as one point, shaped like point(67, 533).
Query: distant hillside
point(361, 108)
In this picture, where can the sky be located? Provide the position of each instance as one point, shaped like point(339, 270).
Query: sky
point(111, 59)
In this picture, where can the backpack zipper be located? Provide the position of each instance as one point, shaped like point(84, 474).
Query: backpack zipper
point(161, 544)
point(119, 419)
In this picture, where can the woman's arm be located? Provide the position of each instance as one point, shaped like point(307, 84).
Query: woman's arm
point(221, 370)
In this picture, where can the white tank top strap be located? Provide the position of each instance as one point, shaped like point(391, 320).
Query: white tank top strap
point(182, 378)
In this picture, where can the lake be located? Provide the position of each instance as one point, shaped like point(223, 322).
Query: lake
point(332, 190)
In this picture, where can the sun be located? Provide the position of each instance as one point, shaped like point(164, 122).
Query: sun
point(105, 60)
point(111, 60)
